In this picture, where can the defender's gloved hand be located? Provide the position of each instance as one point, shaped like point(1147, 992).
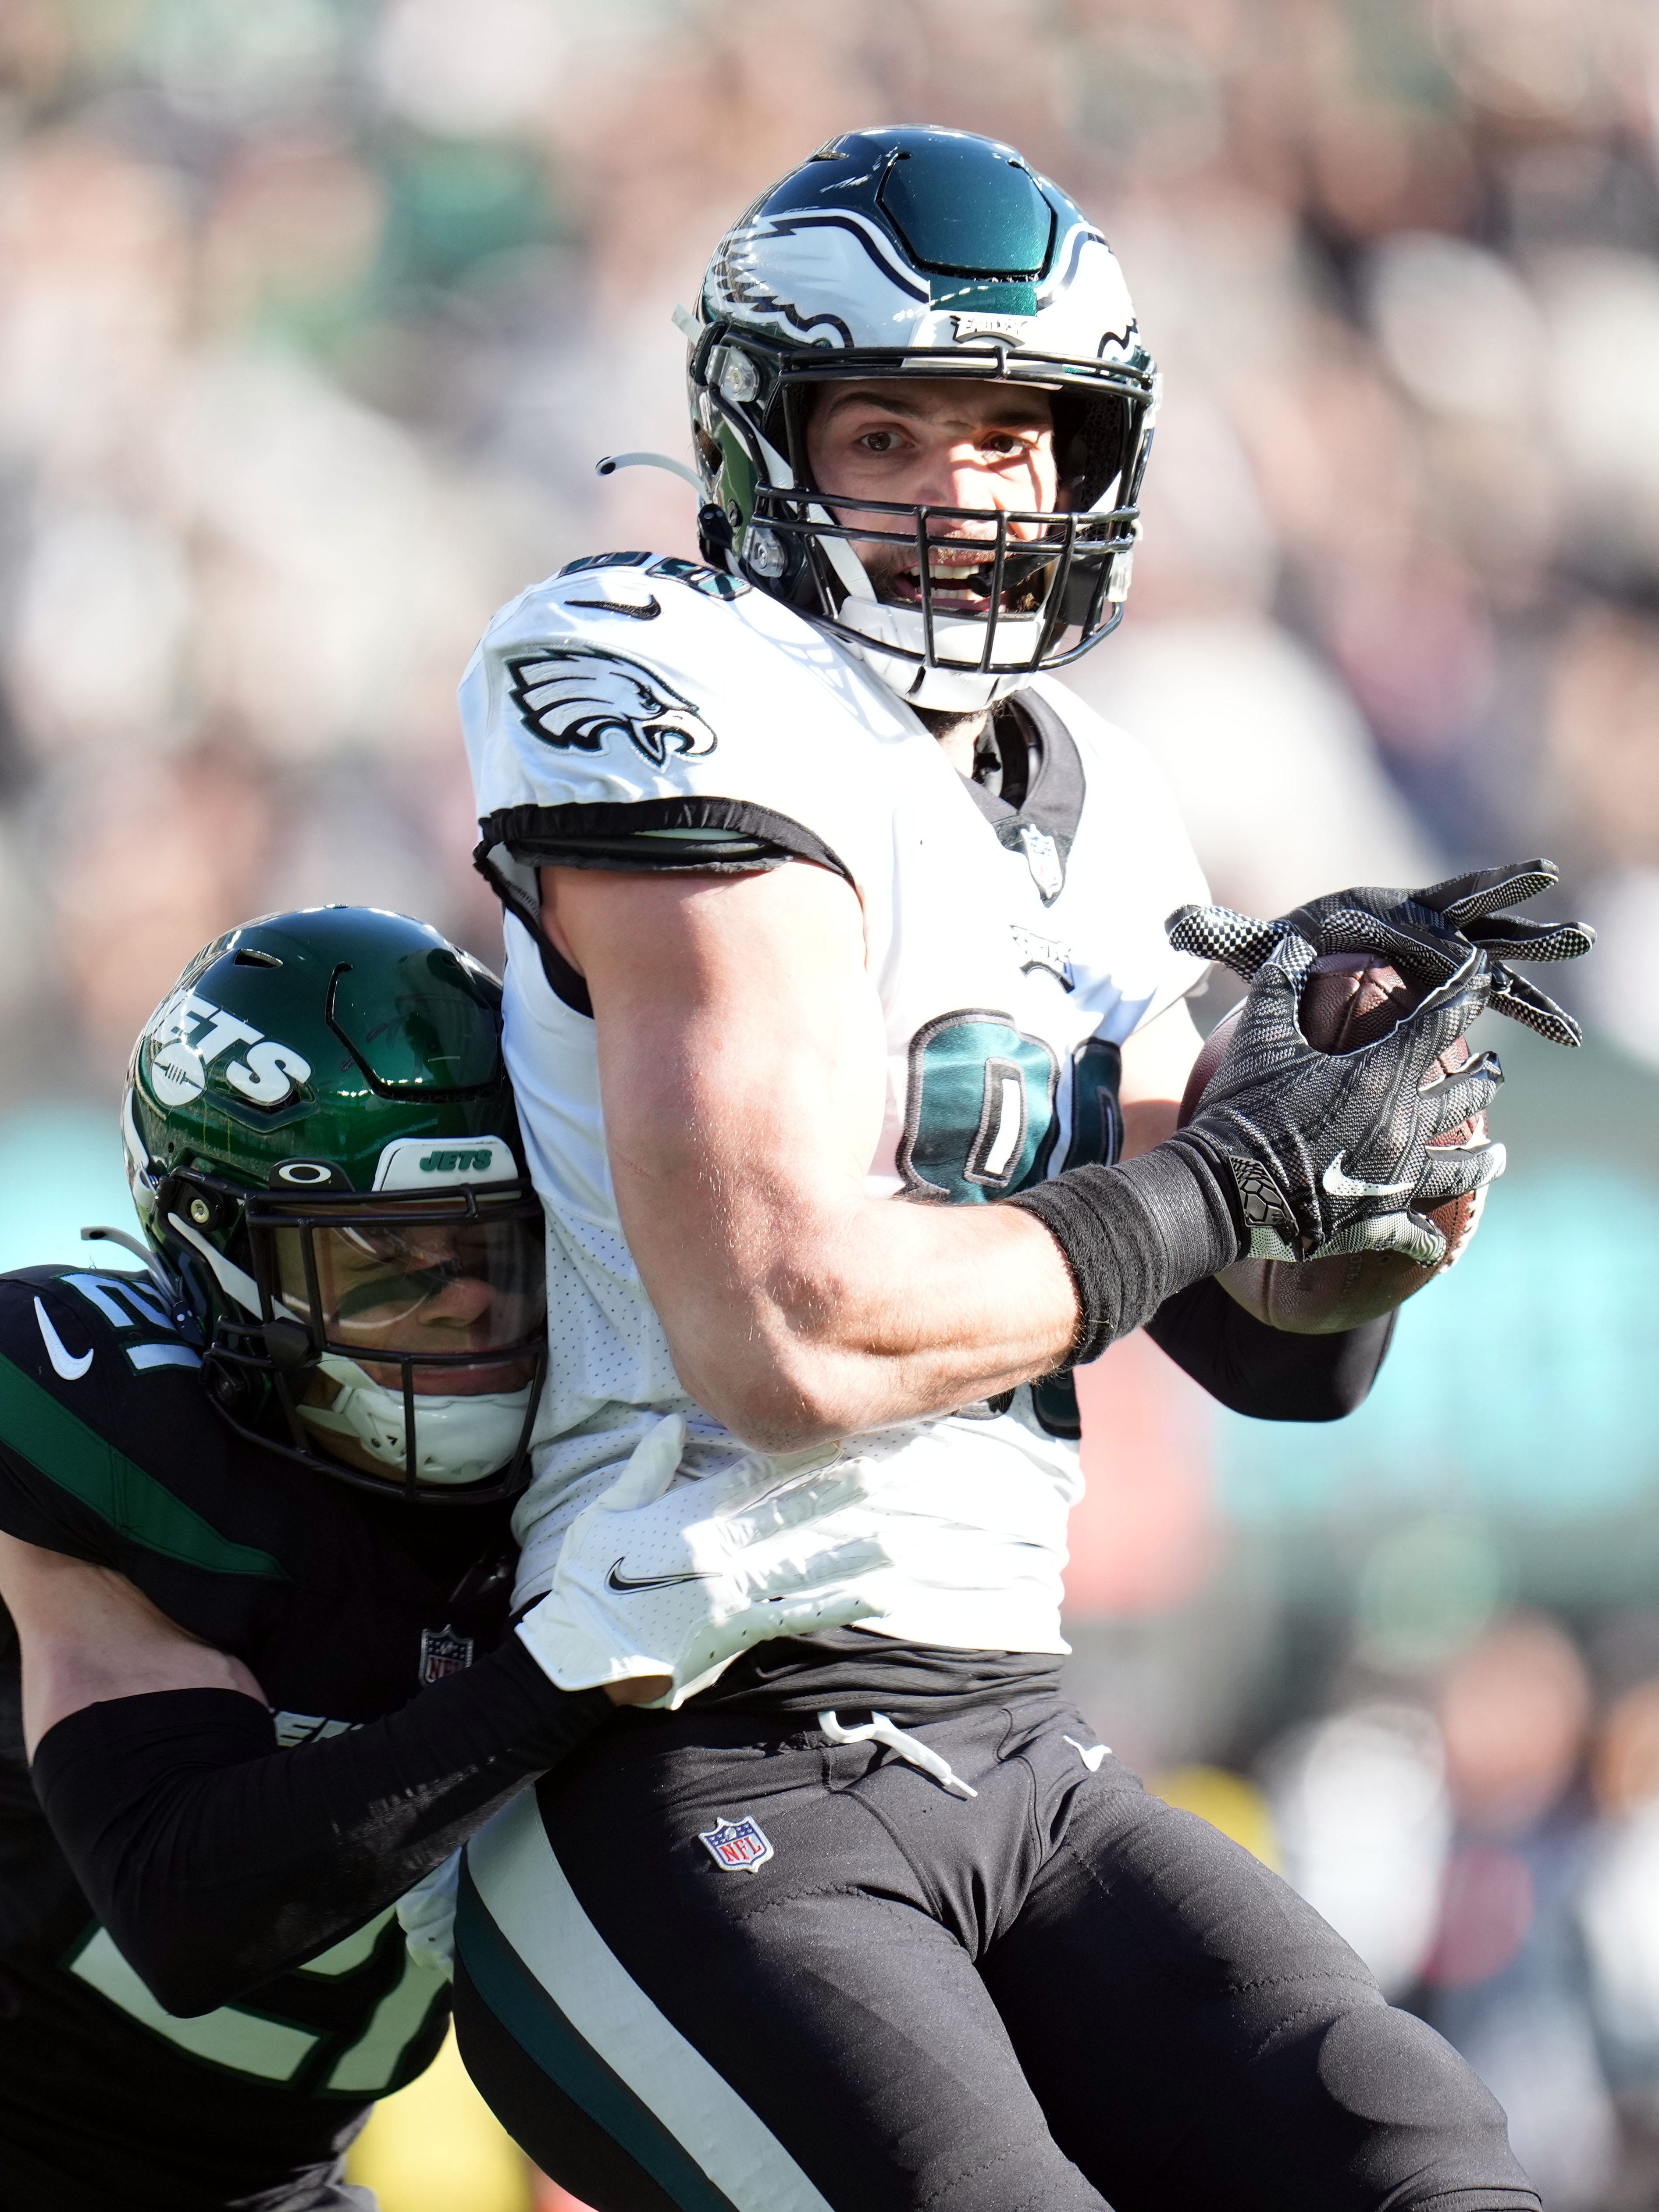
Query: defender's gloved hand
point(1330, 1152)
point(1426, 934)
point(653, 1579)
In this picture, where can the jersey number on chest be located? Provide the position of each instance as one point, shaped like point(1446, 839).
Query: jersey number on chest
point(982, 1109)
point(982, 1113)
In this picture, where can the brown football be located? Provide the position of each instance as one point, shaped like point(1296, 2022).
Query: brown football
point(1348, 1000)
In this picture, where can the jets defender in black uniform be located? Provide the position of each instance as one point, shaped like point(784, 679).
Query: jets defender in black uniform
point(254, 1503)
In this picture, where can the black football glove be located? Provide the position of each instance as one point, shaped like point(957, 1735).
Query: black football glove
point(1330, 1152)
point(1424, 934)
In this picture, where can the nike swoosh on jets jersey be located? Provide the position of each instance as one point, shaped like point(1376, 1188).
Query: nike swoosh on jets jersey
point(1093, 1756)
point(647, 613)
point(650, 1582)
point(63, 1361)
point(1344, 1186)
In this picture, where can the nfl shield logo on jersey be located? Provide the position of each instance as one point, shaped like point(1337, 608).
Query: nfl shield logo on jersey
point(1042, 858)
point(442, 1652)
point(740, 1846)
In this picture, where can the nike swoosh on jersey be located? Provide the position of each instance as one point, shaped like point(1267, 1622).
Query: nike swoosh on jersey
point(1091, 1756)
point(646, 612)
point(1344, 1186)
point(63, 1361)
point(650, 1582)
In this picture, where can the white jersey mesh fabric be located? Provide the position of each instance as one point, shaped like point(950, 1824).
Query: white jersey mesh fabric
point(1001, 951)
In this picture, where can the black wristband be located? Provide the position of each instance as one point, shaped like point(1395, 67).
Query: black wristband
point(217, 1861)
point(1133, 1234)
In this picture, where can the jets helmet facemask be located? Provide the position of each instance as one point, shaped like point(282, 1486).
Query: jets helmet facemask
point(918, 254)
point(323, 1150)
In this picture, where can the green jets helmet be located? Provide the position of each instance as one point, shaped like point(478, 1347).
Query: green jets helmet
point(321, 1146)
point(909, 252)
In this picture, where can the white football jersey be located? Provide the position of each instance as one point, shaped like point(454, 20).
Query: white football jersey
point(638, 701)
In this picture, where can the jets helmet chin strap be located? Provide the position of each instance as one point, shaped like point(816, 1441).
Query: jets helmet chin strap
point(917, 254)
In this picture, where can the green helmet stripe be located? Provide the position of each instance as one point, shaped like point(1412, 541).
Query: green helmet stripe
point(737, 476)
point(61, 1447)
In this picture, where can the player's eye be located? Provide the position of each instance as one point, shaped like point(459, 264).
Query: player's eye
point(880, 441)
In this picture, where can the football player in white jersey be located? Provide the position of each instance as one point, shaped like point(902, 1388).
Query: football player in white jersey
point(824, 892)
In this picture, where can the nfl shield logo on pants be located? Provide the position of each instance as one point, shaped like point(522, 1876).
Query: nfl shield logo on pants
point(741, 1846)
point(442, 1652)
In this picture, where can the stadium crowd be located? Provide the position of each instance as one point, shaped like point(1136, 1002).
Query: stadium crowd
point(315, 317)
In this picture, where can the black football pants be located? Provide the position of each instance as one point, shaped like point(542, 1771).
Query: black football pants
point(724, 1965)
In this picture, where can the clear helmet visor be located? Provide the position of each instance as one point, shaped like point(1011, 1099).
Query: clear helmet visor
point(436, 1288)
point(430, 1328)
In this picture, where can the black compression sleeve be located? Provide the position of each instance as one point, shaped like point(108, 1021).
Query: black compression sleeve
point(216, 1861)
point(1268, 1373)
point(1134, 1235)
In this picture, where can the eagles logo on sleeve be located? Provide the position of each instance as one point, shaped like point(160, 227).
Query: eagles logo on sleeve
point(578, 696)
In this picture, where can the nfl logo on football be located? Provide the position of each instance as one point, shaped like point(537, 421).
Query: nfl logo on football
point(740, 1846)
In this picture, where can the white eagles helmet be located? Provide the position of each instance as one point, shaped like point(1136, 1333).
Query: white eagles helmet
point(922, 252)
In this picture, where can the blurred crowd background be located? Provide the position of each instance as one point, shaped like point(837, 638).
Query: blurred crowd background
point(314, 318)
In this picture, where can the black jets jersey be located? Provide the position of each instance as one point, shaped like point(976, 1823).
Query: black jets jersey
point(342, 1605)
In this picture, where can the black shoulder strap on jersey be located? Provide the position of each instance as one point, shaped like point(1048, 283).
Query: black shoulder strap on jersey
point(563, 980)
point(686, 836)
point(1043, 825)
point(1054, 799)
